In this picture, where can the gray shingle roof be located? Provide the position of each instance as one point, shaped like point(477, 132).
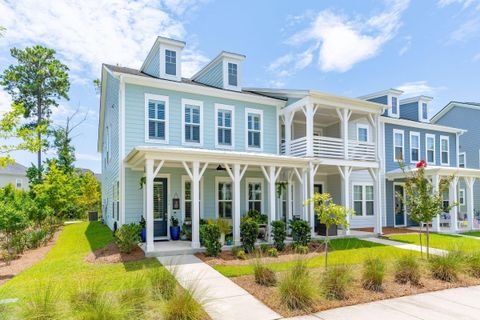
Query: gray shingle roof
point(16, 168)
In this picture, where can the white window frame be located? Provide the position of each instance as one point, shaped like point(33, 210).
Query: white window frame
point(262, 200)
point(20, 181)
point(186, 178)
point(258, 112)
point(217, 181)
point(464, 159)
point(108, 152)
point(218, 107)
point(364, 186)
point(420, 111)
point(363, 126)
point(430, 135)
point(225, 75)
point(415, 134)
point(165, 99)
point(163, 61)
point(390, 111)
point(398, 131)
point(199, 104)
point(443, 138)
point(461, 197)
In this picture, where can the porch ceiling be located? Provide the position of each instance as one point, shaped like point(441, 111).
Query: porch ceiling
point(324, 117)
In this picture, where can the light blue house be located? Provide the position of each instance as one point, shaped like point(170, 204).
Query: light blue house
point(408, 137)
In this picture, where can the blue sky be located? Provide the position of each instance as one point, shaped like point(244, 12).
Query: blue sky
point(344, 47)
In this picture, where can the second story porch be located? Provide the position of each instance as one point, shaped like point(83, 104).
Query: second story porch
point(331, 128)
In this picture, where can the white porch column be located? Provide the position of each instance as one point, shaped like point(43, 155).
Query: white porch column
point(309, 111)
point(375, 174)
point(149, 204)
point(271, 177)
point(236, 177)
point(435, 185)
point(305, 194)
point(289, 197)
point(470, 183)
point(288, 118)
point(454, 198)
point(345, 172)
point(344, 115)
point(312, 172)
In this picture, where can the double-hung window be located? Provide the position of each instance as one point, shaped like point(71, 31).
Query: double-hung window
point(398, 145)
point(224, 125)
point(254, 129)
point(156, 118)
point(362, 133)
point(224, 199)
point(414, 146)
point(171, 62)
point(424, 111)
point(363, 200)
point(430, 146)
point(192, 118)
point(394, 106)
point(232, 74)
point(462, 160)
point(461, 197)
point(444, 150)
point(254, 192)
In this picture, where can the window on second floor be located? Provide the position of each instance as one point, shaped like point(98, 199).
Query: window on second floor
point(462, 160)
point(362, 133)
point(444, 149)
point(414, 146)
point(192, 121)
point(430, 146)
point(232, 74)
point(156, 119)
point(254, 129)
point(224, 126)
point(424, 111)
point(398, 145)
point(170, 62)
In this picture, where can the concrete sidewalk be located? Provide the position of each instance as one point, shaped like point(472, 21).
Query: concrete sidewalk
point(459, 303)
point(224, 299)
point(406, 246)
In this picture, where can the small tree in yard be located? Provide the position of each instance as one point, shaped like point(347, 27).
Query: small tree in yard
point(424, 202)
point(329, 214)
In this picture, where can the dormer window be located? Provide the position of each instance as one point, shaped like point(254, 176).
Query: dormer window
point(394, 110)
point(171, 62)
point(232, 74)
point(424, 111)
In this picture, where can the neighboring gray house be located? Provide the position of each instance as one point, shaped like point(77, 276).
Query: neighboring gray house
point(15, 174)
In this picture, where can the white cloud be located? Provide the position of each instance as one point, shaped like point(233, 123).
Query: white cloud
point(406, 46)
point(465, 3)
point(87, 156)
point(5, 102)
point(476, 57)
point(341, 41)
point(89, 33)
point(417, 88)
point(466, 30)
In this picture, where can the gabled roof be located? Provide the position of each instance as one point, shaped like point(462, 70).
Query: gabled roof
point(416, 99)
point(450, 105)
point(373, 95)
point(158, 41)
point(220, 56)
point(14, 169)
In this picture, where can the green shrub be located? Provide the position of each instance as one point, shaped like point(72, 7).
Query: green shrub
point(162, 283)
point(336, 282)
point(257, 216)
point(407, 269)
point(127, 237)
point(446, 267)
point(272, 252)
point(182, 306)
point(296, 288)
point(42, 304)
point(248, 234)
point(263, 275)
point(264, 248)
point(473, 264)
point(279, 233)
point(211, 236)
point(36, 238)
point(373, 274)
point(240, 254)
point(301, 232)
point(301, 249)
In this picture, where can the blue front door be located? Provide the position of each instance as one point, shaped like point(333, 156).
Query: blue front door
point(160, 208)
point(399, 205)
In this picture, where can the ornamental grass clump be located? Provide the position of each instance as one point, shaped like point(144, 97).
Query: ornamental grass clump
point(162, 283)
point(296, 288)
point(447, 267)
point(133, 297)
point(373, 274)
point(183, 306)
point(407, 269)
point(264, 276)
point(42, 304)
point(473, 264)
point(336, 282)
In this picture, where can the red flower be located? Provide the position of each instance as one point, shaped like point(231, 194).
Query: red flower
point(422, 164)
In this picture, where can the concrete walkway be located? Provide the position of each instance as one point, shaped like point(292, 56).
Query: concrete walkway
point(224, 300)
point(406, 246)
point(465, 236)
point(459, 303)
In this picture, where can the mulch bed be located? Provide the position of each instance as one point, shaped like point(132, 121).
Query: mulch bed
point(25, 260)
point(111, 254)
point(357, 295)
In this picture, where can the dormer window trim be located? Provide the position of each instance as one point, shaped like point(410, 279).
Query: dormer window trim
point(391, 112)
point(421, 104)
point(163, 62)
point(227, 63)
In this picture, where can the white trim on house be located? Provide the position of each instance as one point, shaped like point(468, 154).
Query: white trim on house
point(420, 111)
point(398, 131)
point(445, 138)
point(262, 185)
point(217, 181)
point(363, 126)
point(199, 104)
point(257, 112)
point(464, 159)
point(364, 200)
point(184, 179)
point(226, 84)
point(160, 40)
point(231, 108)
point(169, 207)
point(427, 136)
point(415, 134)
point(165, 99)
point(420, 125)
point(382, 93)
point(390, 110)
point(163, 63)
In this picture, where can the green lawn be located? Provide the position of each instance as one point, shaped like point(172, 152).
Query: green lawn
point(473, 233)
point(65, 264)
point(441, 241)
point(344, 251)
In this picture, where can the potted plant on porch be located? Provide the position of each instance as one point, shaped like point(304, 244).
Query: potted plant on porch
point(174, 228)
point(143, 231)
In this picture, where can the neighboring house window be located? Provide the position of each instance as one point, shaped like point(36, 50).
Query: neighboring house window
point(398, 144)
point(193, 118)
point(414, 146)
point(394, 106)
point(113, 201)
point(224, 199)
point(462, 160)
point(171, 62)
point(254, 192)
point(363, 201)
point(19, 183)
point(107, 145)
point(362, 133)
point(444, 148)
point(461, 197)
point(156, 119)
point(232, 74)
point(254, 129)
point(224, 125)
point(424, 111)
point(430, 148)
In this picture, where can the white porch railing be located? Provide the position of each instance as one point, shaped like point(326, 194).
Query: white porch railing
point(333, 148)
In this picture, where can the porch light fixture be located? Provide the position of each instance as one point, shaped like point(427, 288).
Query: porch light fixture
point(220, 168)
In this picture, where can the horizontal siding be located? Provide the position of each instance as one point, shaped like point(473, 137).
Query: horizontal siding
point(409, 111)
point(153, 67)
point(381, 100)
point(214, 76)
